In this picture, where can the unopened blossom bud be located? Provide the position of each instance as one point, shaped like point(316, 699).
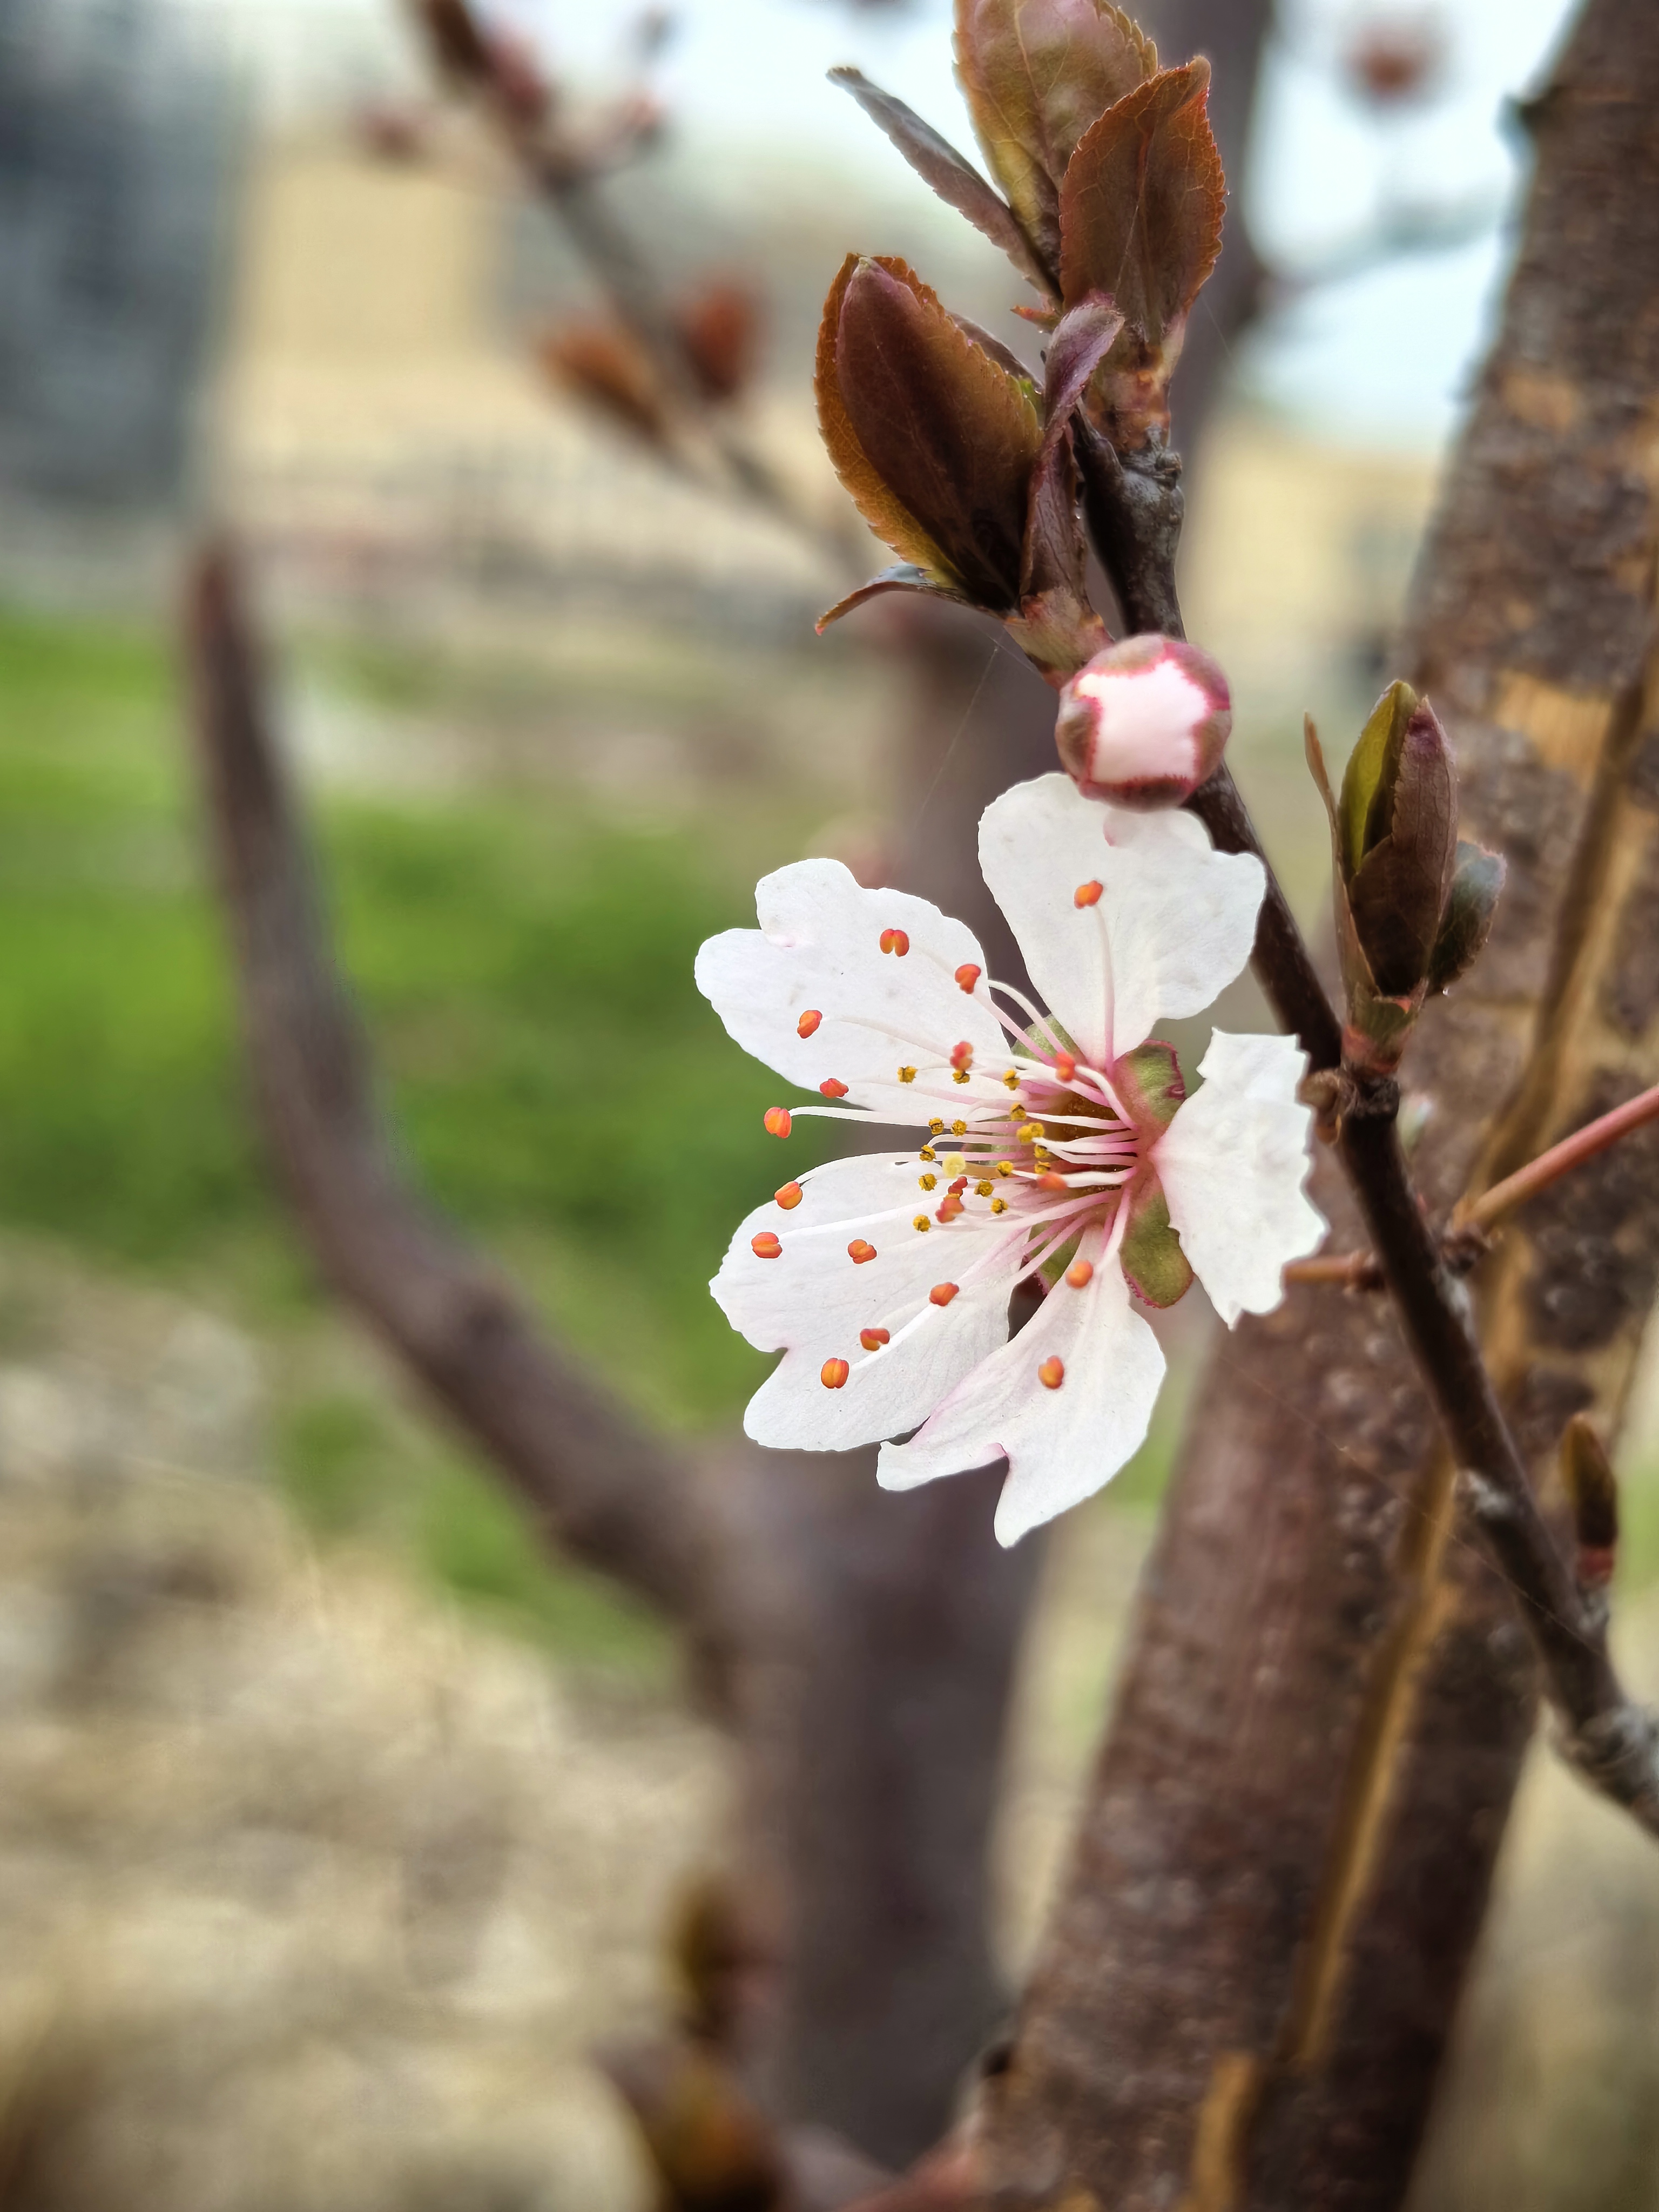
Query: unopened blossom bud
point(1144, 723)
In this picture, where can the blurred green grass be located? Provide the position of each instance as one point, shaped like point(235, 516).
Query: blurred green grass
point(553, 1078)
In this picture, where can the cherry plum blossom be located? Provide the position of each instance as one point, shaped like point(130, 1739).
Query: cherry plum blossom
point(1054, 1147)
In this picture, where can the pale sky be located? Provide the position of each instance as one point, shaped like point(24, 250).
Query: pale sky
point(1383, 355)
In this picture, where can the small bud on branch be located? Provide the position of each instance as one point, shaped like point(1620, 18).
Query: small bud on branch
point(1414, 905)
point(1144, 723)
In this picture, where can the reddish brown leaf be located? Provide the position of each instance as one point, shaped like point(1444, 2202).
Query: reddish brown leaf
point(936, 441)
point(1056, 628)
point(955, 179)
point(1141, 207)
point(881, 509)
point(719, 328)
point(602, 364)
point(902, 576)
point(1083, 338)
point(1036, 74)
point(1004, 355)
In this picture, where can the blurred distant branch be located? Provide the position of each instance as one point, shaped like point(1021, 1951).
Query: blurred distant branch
point(858, 1648)
point(1399, 234)
point(612, 1497)
point(563, 165)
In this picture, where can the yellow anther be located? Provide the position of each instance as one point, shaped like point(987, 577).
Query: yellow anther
point(937, 1125)
point(954, 1164)
point(1029, 1132)
point(1010, 1081)
point(959, 1128)
point(927, 1153)
point(907, 1075)
point(999, 1206)
point(921, 1222)
point(983, 1189)
point(1004, 1167)
point(960, 1076)
point(927, 1182)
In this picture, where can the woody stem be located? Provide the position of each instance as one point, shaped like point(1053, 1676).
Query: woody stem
point(1135, 516)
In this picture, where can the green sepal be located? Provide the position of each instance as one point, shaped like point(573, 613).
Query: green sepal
point(1149, 1082)
point(1157, 1268)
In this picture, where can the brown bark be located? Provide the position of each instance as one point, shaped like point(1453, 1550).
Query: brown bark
point(1246, 1994)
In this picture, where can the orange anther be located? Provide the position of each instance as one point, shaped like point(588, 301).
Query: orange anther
point(961, 1055)
point(1065, 1066)
point(808, 1022)
point(873, 1339)
point(895, 940)
point(967, 976)
point(942, 1293)
point(1086, 894)
point(831, 1089)
point(958, 1186)
point(777, 1120)
point(858, 1251)
point(1079, 1273)
point(766, 1246)
point(790, 1196)
point(1052, 1182)
point(1051, 1373)
point(834, 1373)
point(949, 1208)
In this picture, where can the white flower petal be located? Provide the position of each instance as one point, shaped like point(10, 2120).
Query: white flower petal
point(818, 949)
point(811, 1302)
point(1233, 1163)
point(1180, 916)
point(1061, 1445)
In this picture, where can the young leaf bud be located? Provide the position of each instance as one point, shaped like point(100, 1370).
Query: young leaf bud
point(1400, 818)
point(1144, 723)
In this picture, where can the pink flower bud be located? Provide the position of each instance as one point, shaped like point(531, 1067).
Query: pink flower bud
point(1144, 723)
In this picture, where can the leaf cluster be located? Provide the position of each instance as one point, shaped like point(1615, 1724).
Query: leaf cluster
point(1110, 206)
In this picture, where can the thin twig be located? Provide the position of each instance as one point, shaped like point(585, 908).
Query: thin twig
point(1560, 1159)
point(1612, 1741)
point(1354, 1271)
point(1465, 1239)
point(613, 258)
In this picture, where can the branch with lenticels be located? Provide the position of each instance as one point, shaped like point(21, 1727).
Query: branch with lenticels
point(1610, 1739)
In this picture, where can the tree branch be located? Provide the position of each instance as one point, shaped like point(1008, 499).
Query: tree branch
point(1465, 1240)
point(1614, 1741)
point(564, 181)
point(610, 1495)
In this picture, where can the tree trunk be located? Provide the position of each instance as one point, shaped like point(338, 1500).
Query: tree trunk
point(1245, 1995)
